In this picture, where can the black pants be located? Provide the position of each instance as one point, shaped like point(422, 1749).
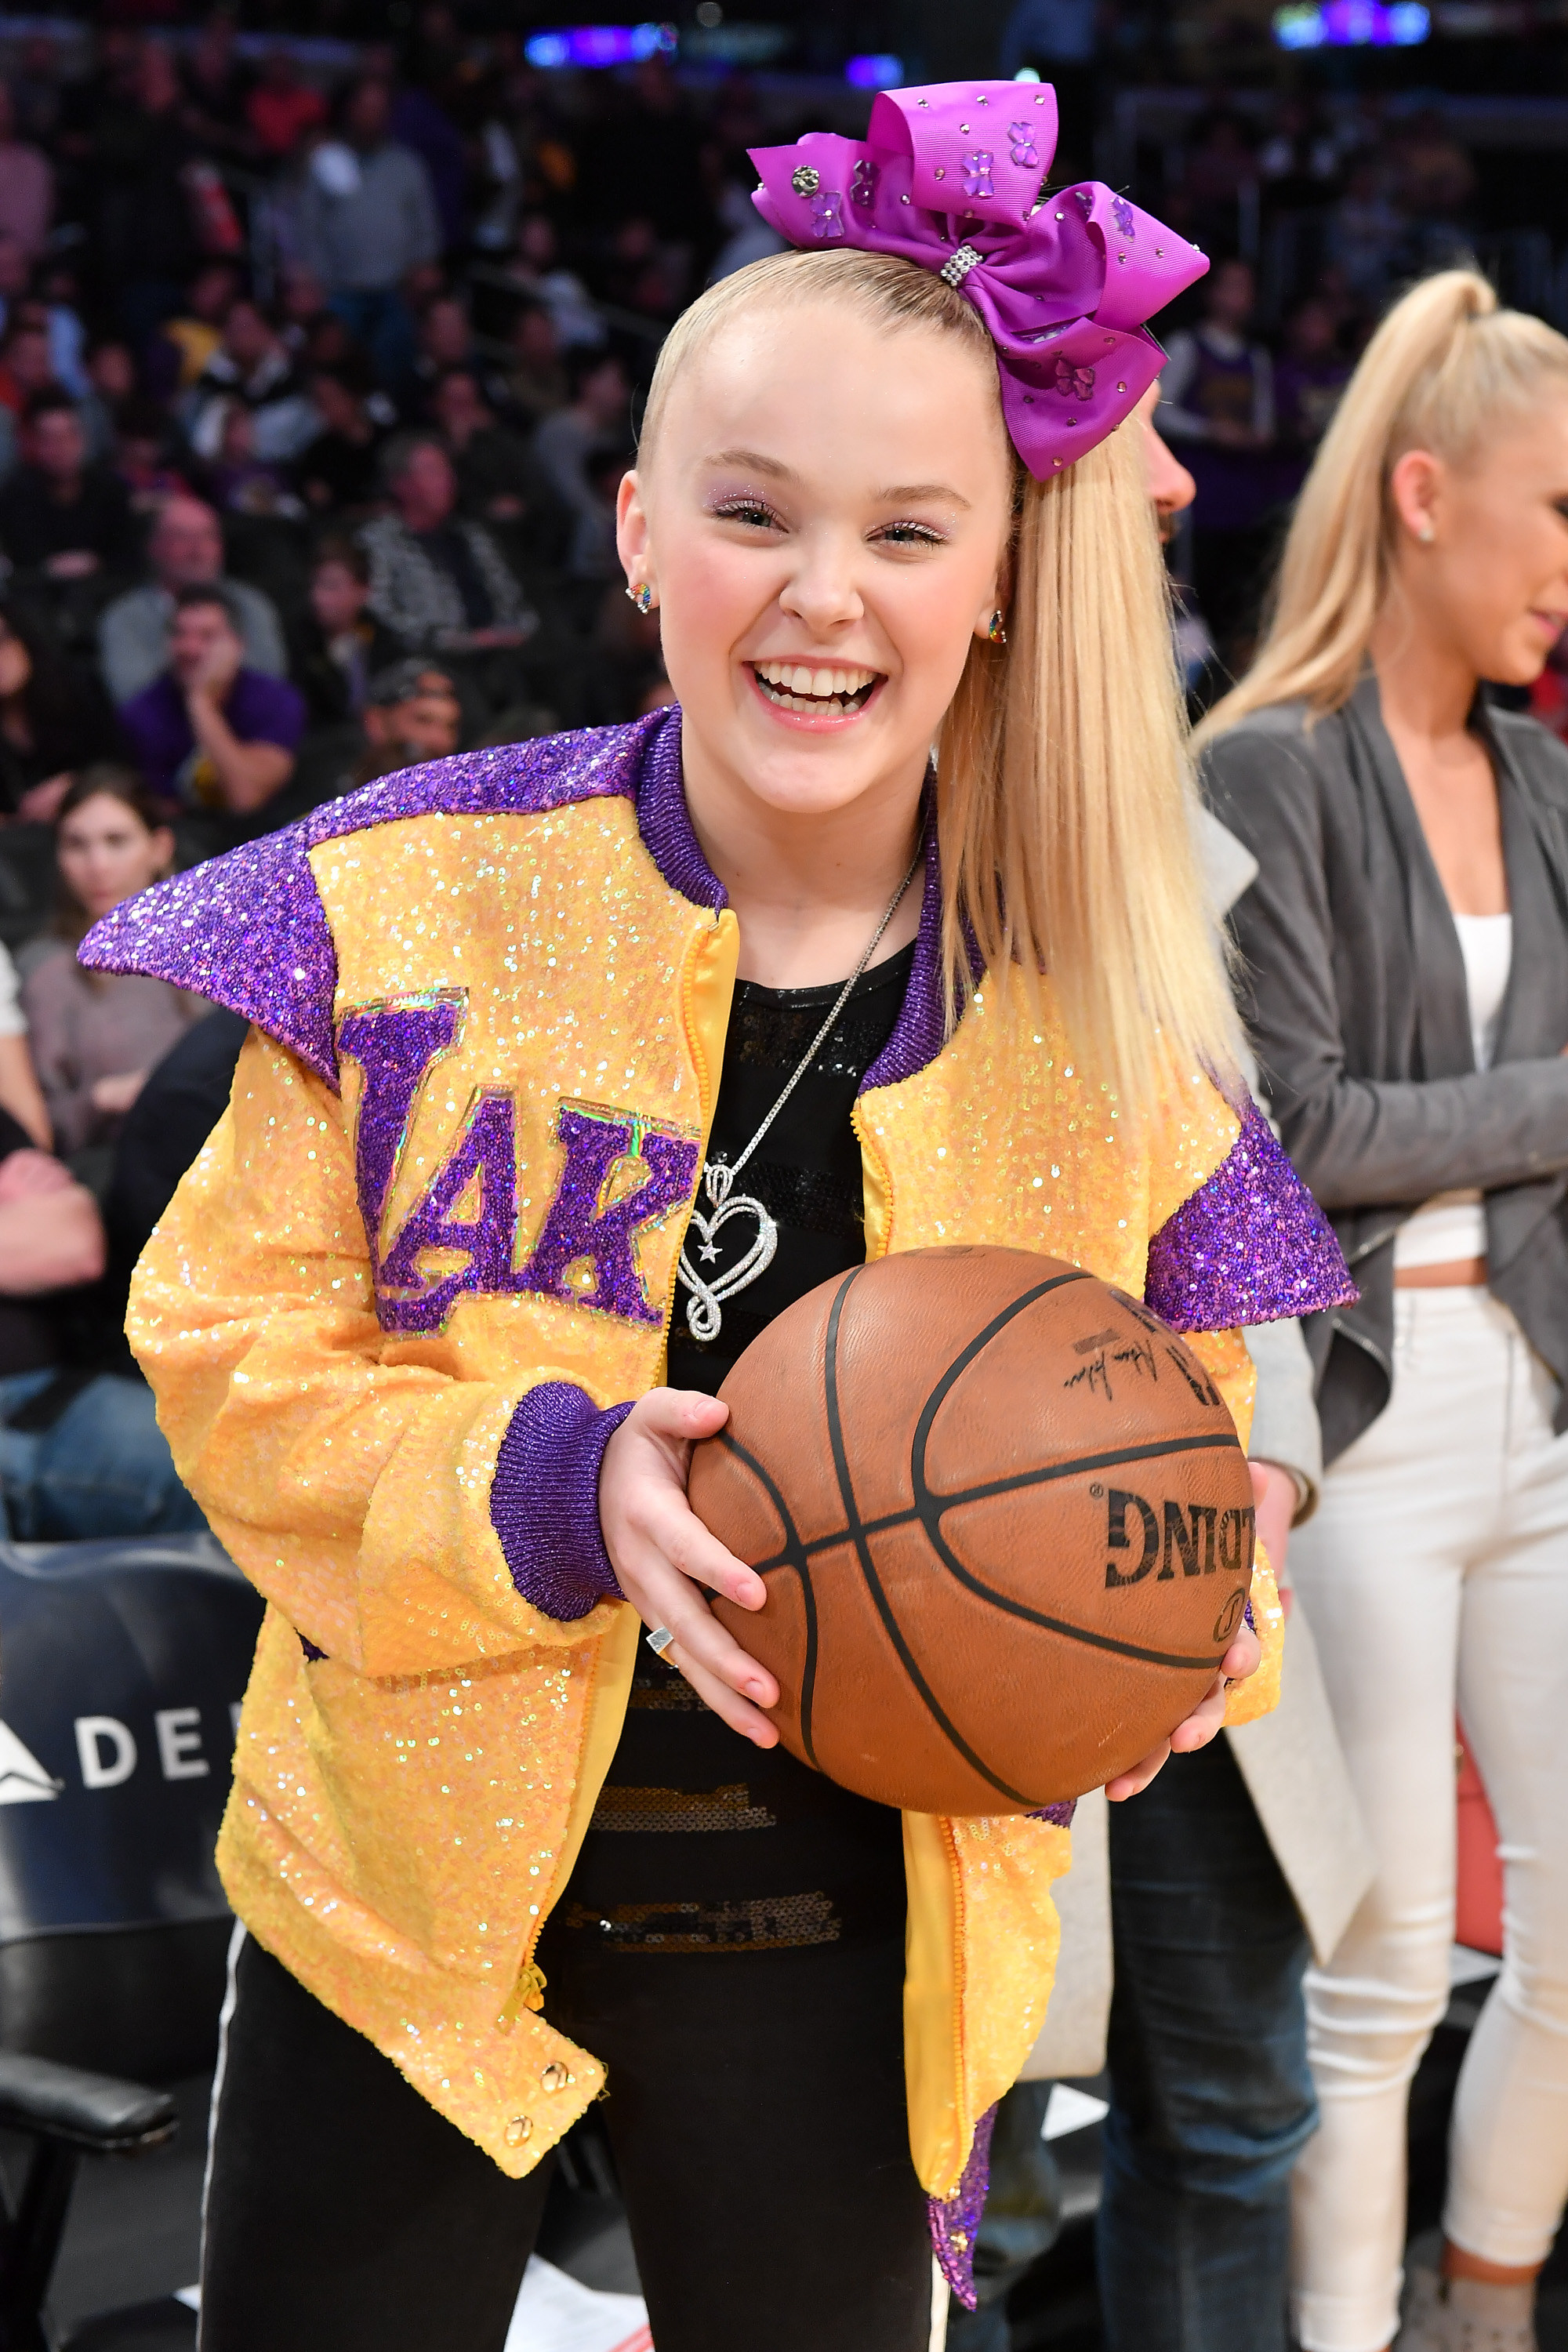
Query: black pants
point(757, 2113)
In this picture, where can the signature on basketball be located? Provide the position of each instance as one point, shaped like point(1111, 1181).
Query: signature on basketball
point(1101, 1350)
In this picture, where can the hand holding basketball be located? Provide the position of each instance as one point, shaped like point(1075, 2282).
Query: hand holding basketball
point(663, 1555)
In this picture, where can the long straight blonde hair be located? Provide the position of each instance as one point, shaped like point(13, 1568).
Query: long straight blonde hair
point(1444, 365)
point(1066, 811)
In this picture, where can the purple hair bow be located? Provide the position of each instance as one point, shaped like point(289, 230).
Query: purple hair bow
point(950, 177)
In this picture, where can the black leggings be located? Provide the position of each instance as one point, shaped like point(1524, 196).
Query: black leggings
point(757, 2113)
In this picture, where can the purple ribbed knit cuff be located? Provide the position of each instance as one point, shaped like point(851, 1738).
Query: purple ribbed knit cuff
point(544, 1499)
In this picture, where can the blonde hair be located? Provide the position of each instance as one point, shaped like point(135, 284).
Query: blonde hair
point(1066, 813)
point(1444, 365)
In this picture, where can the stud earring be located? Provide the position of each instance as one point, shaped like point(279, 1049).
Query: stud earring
point(996, 634)
point(641, 595)
point(1425, 533)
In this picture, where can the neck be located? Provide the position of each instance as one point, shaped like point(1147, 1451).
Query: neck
point(1426, 684)
point(808, 886)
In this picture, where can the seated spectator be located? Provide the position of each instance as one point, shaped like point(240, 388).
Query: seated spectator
point(253, 366)
point(20, 1093)
point(185, 548)
point(52, 721)
point(341, 645)
point(1309, 377)
point(80, 1456)
point(26, 184)
point(95, 1035)
point(446, 340)
point(26, 367)
point(60, 515)
point(282, 106)
point(496, 477)
point(411, 714)
point(367, 221)
point(535, 270)
point(60, 295)
point(211, 733)
point(536, 380)
point(16, 277)
point(236, 481)
point(1299, 162)
point(438, 582)
point(599, 416)
point(110, 374)
point(340, 468)
point(1365, 232)
point(1216, 407)
point(141, 458)
point(195, 336)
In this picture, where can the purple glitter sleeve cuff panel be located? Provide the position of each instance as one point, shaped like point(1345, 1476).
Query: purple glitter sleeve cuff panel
point(1248, 1247)
point(544, 1499)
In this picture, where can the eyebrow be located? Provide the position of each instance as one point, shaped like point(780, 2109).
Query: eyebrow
point(900, 494)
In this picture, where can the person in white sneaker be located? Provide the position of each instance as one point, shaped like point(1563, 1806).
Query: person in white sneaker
point(1406, 945)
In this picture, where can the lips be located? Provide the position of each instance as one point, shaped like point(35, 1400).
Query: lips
point(817, 690)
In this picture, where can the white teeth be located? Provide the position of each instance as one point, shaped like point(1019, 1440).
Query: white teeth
point(798, 688)
point(800, 679)
point(821, 682)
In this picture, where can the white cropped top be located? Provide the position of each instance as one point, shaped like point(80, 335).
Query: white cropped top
point(1453, 1226)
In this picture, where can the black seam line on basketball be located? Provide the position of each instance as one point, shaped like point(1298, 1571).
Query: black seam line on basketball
point(930, 1506)
point(863, 1553)
point(792, 1557)
point(962, 1494)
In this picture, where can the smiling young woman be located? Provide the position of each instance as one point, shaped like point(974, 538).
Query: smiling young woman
point(438, 1318)
point(1406, 944)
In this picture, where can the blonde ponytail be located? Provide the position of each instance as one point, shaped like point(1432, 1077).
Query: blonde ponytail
point(1443, 365)
point(1065, 809)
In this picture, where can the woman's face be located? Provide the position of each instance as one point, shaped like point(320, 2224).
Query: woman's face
point(1491, 581)
point(823, 521)
point(15, 664)
point(107, 854)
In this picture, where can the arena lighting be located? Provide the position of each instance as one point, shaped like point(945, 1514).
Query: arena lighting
point(879, 72)
point(1352, 24)
point(599, 45)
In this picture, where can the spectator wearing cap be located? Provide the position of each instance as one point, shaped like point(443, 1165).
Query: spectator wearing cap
point(367, 219)
point(59, 514)
point(185, 548)
point(437, 581)
point(340, 645)
point(411, 714)
point(210, 732)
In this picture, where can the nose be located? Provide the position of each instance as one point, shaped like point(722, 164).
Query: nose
point(823, 592)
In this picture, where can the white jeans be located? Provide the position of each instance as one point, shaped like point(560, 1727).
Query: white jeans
point(1436, 1565)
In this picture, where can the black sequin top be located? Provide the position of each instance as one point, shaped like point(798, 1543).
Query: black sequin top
point(701, 1842)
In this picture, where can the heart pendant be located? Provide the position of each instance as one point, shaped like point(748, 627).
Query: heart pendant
point(704, 1313)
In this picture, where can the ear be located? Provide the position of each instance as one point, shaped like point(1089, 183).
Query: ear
point(632, 534)
point(998, 597)
point(1415, 488)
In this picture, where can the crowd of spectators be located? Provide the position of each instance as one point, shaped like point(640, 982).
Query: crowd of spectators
point(314, 399)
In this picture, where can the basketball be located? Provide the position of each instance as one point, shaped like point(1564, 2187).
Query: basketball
point(1005, 1522)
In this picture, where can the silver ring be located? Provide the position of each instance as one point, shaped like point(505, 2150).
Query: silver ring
point(659, 1639)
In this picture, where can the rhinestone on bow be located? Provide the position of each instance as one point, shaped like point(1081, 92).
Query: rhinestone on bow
point(1021, 136)
point(1073, 384)
point(863, 186)
point(1122, 214)
point(978, 172)
point(805, 179)
point(957, 269)
point(827, 212)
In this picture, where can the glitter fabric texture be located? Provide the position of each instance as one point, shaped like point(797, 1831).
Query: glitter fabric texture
point(544, 1499)
point(581, 1229)
point(1248, 1247)
point(956, 2220)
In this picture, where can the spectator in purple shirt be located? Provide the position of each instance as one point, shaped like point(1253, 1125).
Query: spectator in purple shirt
point(211, 733)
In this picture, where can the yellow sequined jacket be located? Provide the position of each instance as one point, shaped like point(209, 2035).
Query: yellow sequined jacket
point(395, 1302)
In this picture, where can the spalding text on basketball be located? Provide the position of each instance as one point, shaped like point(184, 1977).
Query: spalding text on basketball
point(1195, 1536)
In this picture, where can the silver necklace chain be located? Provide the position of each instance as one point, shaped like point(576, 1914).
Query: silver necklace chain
point(704, 1312)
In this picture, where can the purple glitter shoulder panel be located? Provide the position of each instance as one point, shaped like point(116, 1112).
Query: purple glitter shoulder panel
point(247, 932)
point(955, 2219)
point(1248, 1247)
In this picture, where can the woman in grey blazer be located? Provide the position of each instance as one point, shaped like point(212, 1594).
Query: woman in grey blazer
point(1405, 949)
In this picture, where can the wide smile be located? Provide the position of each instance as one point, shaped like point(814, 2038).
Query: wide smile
point(826, 693)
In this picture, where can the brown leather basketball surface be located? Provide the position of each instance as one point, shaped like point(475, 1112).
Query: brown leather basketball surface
point(1005, 1522)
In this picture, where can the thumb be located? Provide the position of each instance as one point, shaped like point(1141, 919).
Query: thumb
point(683, 1413)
